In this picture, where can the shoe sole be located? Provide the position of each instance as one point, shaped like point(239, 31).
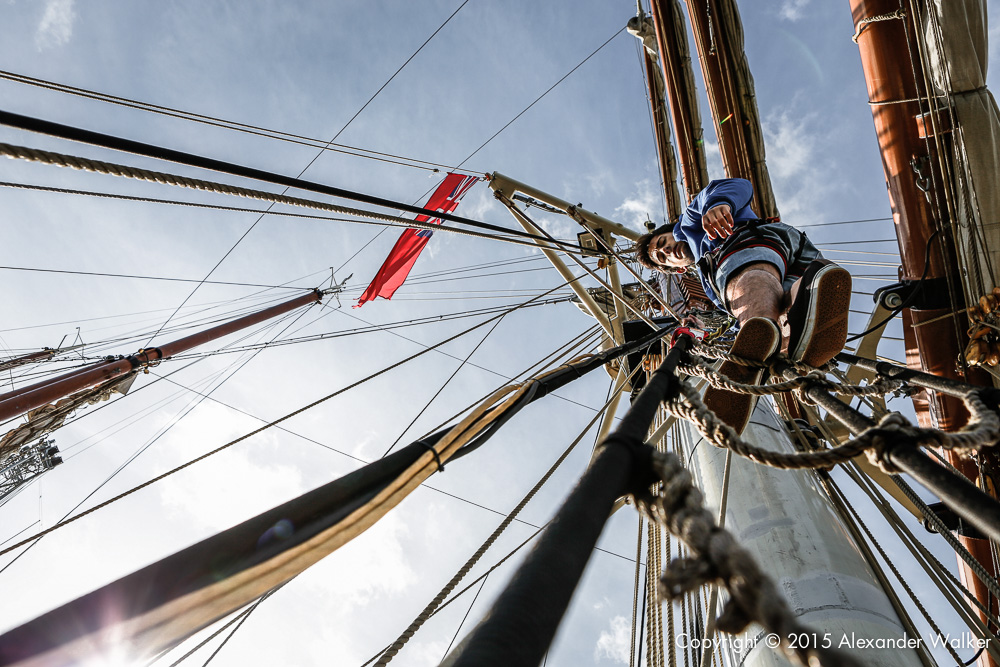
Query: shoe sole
point(825, 330)
point(758, 339)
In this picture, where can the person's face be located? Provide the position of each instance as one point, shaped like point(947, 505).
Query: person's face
point(665, 251)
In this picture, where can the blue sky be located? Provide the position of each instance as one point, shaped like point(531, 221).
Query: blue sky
point(307, 68)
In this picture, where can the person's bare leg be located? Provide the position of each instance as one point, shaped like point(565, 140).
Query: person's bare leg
point(756, 292)
point(755, 297)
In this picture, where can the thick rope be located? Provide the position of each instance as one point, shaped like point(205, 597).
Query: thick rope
point(113, 169)
point(860, 26)
point(433, 605)
point(717, 556)
point(983, 429)
point(812, 379)
point(635, 592)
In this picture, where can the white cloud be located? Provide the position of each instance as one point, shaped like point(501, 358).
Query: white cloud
point(56, 26)
point(793, 10)
point(642, 204)
point(713, 159)
point(789, 145)
point(614, 643)
point(231, 486)
point(799, 164)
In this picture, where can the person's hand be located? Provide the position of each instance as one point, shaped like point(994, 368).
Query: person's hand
point(692, 321)
point(718, 221)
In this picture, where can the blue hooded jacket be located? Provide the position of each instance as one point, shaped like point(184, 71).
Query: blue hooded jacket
point(737, 193)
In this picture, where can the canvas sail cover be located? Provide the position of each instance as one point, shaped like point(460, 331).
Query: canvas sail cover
point(958, 51)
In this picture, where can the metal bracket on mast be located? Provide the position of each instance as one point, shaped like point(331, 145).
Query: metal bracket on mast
point(508, 186)
point(560, 266)
point(335, 288)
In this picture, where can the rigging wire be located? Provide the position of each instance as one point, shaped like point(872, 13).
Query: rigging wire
point(138, 277)
point(141, 450)
point(65, 521)
point(497, 133)
point(228, 124)
point(441, 388)
point(219, 631)
point(240, 624)
point(539, 98)
point(110, 317)
point(842, 222)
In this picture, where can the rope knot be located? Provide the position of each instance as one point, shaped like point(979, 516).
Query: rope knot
point(890, 429)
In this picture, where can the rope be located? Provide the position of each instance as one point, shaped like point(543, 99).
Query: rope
point(393, 221)
point(982, 429)
point(237, 440)
point(635, 592)
point(841, 498)
point(716, 555)
point(813, 378)
point(429, 610)
point(977, 568)
point(860, 26)
point(125, 171)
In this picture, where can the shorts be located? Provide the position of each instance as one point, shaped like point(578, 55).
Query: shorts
point(774, 243)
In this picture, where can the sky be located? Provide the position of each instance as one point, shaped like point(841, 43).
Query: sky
point(308, 68)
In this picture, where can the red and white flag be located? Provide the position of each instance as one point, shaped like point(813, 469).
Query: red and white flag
point(404, 254)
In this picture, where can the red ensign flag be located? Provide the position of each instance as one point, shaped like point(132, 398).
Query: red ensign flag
point(404, 254)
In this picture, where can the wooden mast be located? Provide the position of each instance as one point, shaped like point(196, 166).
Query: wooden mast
point(895, 87)
point(675, 59)
point(28, 398)
point(718, 36)
point(781, 514)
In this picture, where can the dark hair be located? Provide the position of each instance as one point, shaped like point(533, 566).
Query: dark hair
point(642, 246)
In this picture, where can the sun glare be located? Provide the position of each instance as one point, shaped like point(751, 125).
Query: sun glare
point(112, 659)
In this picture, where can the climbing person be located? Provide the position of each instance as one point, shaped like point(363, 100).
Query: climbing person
point(766, 274)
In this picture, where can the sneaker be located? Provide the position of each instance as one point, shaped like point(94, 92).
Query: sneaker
point(817, 317)
point(758, 339)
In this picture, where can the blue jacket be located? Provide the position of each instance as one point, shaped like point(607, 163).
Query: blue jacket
point(737, 192)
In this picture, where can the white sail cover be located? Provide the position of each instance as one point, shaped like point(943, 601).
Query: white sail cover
point(958, 50)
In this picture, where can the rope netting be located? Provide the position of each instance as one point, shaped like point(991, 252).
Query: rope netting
point(714, 555)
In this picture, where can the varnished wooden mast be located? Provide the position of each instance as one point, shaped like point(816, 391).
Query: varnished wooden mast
point(895, 88)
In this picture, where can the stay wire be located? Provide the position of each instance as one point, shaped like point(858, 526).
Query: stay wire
point(539, 98)
point(400, 69)
point(139, 277)
point(441, 388)
point(65, 521)
point(245, 128)
point(497, 133)
point(238, 625)
point(163, 431)
point(385, 222)
point(910, 299)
